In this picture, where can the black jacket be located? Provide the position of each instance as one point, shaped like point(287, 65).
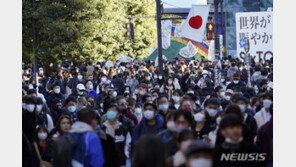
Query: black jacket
point(28, 124)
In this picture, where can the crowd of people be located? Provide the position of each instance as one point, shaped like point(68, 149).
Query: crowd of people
point(130, 114)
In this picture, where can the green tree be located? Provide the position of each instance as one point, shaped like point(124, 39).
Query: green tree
point(88, 30)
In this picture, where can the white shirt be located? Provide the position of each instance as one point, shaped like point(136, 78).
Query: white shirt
point(267, 116)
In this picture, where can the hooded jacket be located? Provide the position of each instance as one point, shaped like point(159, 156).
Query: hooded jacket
point(141, 128)
point(87, 148)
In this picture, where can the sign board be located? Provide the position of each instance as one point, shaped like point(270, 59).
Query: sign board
point(258, 28)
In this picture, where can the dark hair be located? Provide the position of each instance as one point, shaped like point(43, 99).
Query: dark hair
point(150, 104)
point(187, 115)
point(112, 106)
point(57, 127)
point(230, 120)
point(86, 115)
point(268, 96)
point(241, 98)
point(38, 128)
point(31, 100)
point(179, 91)
point(149, 152)
point(185, 135)
point(212, 100)
point(70, 98)
point(217, 88)
point(161, 95)
point(119, 98)
point(234, 109)
point(39, 100)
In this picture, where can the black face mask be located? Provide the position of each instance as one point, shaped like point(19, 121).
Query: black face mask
point(57, 107)
point(91, 103)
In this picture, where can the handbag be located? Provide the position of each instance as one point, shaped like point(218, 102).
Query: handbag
point(42, 163)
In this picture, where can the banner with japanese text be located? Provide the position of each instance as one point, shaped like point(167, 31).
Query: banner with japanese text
point(257, 28)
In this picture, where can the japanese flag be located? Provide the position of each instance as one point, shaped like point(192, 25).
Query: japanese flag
point(195, 24)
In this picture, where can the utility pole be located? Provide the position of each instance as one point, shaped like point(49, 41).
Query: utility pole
point(217, 45)
point(34, 46)
point(159, 41)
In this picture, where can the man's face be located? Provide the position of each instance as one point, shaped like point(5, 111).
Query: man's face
point(233, 132)
point(71, 103)
point(181, 121)
point(213, 106)
point(151, 109)
point(122, 104)
point(163, 100)
point(115, 110)
point(144, 90)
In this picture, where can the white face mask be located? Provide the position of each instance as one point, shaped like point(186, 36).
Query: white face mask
point(212, 112)
point(222, 80)
point(148, 114)
point(163, 107)
point(242, 107)
point(91, 87)
point(30, 107)
point(222, 94)
point(171, 125)
point(101, 105)
point(114, 94)
point(79, 77)
point(141, 93)
point(57, 91)
point(138, 111)
point(267, 103)
point(227, 98)
point(80, 92)
point(160, 77)
point(42, 136)
point(200, 162)
point(229, 140)
point(199, 117)
point(190, 92)
point(176, 99)
point(170, 82)
point(235, 81)
point(39, 107)
point(71, 108)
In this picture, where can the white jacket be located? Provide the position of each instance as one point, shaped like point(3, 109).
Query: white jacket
point(260, 118)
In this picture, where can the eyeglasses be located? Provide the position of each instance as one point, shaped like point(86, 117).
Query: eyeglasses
point(123, 104)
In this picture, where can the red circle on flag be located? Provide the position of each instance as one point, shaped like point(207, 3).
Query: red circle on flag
point(195, 22)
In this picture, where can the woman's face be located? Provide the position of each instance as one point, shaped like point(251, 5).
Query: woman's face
point(65, 125)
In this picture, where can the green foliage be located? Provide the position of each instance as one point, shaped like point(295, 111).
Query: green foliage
point(88, 30)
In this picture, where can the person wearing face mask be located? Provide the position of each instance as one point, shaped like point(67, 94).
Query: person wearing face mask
point(199, 127)
point(231, 127)
point(119, 132)
point(42, 117)
point(42, 147)
point(29, 118)
point(187, 104)
point(168, 87)
point(80, 91)
point(182, 120)
point(211, 111)
point(163, 104)
point(142, 90)
point(125, 110)
point(176, 98)
point(138, 112)
point(184, 140)
point(56, 93)
point(169, 132)
point(199, 154)
point(70, 108)
point(264, 114)
point(152, 123)
point(56, 109)
point(90, 89)
point(236, 83)
point(118, 82)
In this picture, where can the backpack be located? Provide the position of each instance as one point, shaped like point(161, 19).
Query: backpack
point(62, 149)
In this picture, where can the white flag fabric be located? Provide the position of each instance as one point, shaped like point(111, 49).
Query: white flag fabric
point(195, 24)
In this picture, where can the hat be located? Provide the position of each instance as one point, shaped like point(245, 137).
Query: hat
point(197, 146)
point(235, 76)
point(80, 87)
point(229, 91)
